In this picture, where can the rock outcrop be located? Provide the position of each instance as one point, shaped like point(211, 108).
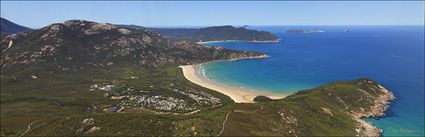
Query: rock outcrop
point(380, 105)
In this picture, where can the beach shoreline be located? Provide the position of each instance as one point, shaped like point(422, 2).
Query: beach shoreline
point(193, 73)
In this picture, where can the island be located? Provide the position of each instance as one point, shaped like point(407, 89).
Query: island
point(345, 30)
point(305, 31)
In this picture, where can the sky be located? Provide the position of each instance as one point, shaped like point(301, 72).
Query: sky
point(37, 14)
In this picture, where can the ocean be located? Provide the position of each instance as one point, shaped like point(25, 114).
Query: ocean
point(391, 55)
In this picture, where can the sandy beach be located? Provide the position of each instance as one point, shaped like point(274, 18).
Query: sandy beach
point(240, 95)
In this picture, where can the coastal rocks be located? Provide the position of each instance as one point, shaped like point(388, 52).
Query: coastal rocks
point(366, 129)
point(358, 99)
point(380, 105)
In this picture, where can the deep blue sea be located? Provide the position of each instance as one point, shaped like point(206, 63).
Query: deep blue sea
point(390, 55)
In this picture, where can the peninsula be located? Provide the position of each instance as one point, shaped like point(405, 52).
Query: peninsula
point(215, 33)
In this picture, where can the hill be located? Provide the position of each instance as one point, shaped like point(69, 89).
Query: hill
point(76, 44)
point(80, 67)
point(8, 27)
point(216, 33)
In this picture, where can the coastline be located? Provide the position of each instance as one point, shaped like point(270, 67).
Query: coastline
point(264, 41)
point(366, 128)
point(193, 73)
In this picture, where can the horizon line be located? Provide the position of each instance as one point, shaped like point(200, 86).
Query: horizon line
point(257, 25)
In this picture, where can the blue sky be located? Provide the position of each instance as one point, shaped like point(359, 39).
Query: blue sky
point(208, 13)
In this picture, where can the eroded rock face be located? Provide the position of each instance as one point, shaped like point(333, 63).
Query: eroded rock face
point(97, 28)
point(380, 102)
point(77, 43)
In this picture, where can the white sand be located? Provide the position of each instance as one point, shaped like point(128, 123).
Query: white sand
point(240, 95)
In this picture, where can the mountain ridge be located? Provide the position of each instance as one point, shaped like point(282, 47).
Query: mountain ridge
point(79, 43)
point(9, 27)
point(213, 33)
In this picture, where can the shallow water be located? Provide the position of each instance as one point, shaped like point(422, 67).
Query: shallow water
point(390, 55)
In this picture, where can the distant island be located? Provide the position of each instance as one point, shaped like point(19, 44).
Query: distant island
point(345, 30)
point(216, 33)
point(99, 79)
point(305, 31)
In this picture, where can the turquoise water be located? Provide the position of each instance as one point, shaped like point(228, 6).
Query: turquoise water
point(391, 55)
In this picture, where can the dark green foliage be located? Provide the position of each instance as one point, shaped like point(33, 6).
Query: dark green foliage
point(262, 99)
